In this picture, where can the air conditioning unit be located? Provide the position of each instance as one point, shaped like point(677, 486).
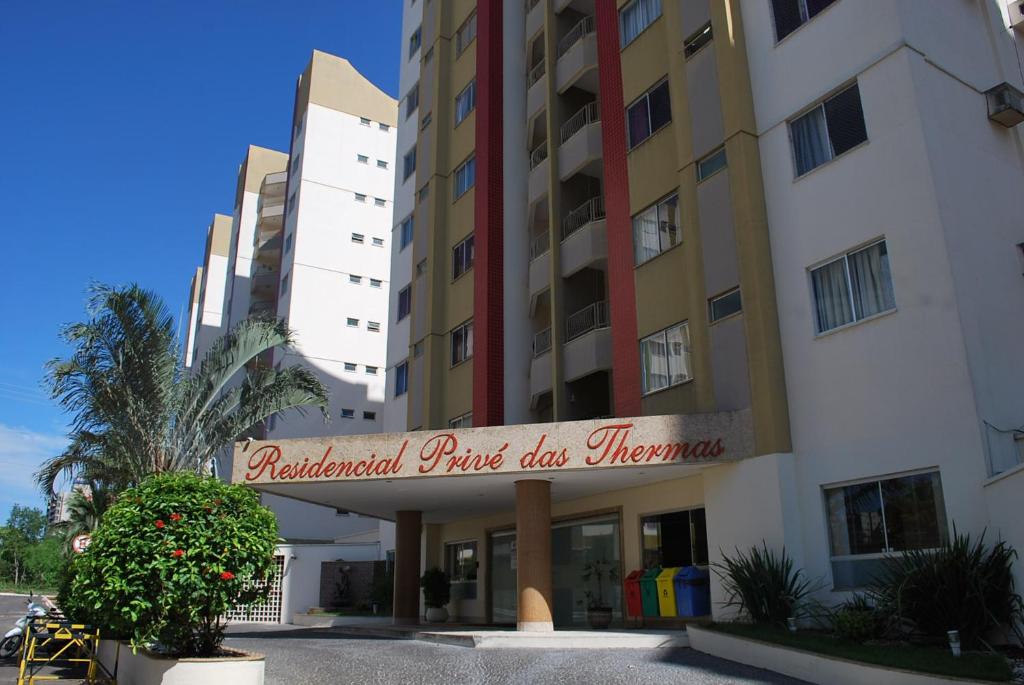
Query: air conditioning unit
point(1015, 9)
point(1005, 105)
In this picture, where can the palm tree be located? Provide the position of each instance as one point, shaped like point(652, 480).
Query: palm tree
point(134, 409)
point(86, 507)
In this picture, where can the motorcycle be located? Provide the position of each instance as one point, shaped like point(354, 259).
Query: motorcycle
point(12, 640)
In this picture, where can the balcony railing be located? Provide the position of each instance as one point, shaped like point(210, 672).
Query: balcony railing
point(542, 342)
point(590, 318)
point(589, 114)
point(575, 35)
point(540, 244)
point(536, 73)
point(591, 210)
point(539, 154)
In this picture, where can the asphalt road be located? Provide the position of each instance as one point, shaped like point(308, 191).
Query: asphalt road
point(314, 655)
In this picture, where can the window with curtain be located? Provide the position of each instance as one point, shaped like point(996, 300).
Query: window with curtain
point(465, 177)
point(412, 100)
point(409, 163)
point(656, 229)
point(415, 40)
point(465, 102)
point(648, 113)
point(401, 379)
point(465, 35)
point(404, 302)
point(462, 343)
point(405, 233)
point(665, 358)
point(637, 16)
point(827, 131)
point(853, 287)
point(462, 257)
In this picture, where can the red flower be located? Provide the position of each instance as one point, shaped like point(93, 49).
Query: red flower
point(227, 575)
point(178, 553)
point(159, 523)
point(175, 517)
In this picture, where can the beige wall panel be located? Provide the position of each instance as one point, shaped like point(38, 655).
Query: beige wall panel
point(643, 61)
point(718, 234)
point(729, 364)
point(652, 173)
point(705, 105)
point(660, 296)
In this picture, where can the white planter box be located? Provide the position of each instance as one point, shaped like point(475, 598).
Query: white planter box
point(813, 668)
point(146, 669)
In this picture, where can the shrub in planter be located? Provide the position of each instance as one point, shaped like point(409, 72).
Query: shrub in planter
point(764, 585)
point(437, 592)
point(170, 559)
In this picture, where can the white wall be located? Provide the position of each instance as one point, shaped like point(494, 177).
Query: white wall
point(243, 234)
point(211, 305)
point(301, 582)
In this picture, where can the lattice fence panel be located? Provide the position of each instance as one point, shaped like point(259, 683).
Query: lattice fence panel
point(268, 611)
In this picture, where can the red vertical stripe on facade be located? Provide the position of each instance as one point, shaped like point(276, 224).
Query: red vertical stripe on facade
point(488, 286)
point(621, 286)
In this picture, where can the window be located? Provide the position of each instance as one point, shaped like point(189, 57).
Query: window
point(650, 112)
point(409, 163)
point(380, 202)
point(348, 413)
point(827, 131)
point(678, 538)
point(355, 279)
point(428, 55)
point(405, 233)
point(358, 238)
point(461, 565)
point(375, 282)
point(462, 257)
point(363, 121)
point(362, 159)
point(384, 127)
point(412, 100)
point(464, 421)
point(381, 164)
point(401, 379)
point(360, 197)
point(693, 44)
point(404, 302)
point(425, 122)
point(465, 35)
point(352, 323)
point(371, 370)
point(637, 16)
point(295, 163)
point(415, 40)
point(284, 285)
point(711, 164)
point(656, 229)
point(792, 14)
point(853, 287)
point(725, 305)
point(378, 242)
point(465, 177)
point(417, 352)
point(462, 343)
point(369, 416)
point(421, 267)
point(665, 358)
point(373, 326)
point(871, 519)
point(291, 201)
point(350, 367)
point(288, 244)
point(465, 102)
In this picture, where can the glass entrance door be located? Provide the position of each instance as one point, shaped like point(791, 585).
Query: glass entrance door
point(503, 577)
point(581, 551)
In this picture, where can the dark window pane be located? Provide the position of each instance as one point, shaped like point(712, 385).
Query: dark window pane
point(661, 108)
point(845, 119)
point(814, 7)
point(700, 537)
point(861, 512)
point(914, 512)
point(787, 17)
point(639, 122)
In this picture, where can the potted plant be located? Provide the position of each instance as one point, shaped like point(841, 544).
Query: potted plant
point(437, 592)
point(599, 612)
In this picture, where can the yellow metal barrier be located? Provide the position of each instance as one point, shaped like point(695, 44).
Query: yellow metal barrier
point(52, 644)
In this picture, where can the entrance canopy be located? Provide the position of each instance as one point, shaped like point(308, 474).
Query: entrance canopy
point(451, 474)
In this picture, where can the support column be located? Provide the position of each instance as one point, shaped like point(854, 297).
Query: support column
point(407, 567)
point(533, 555)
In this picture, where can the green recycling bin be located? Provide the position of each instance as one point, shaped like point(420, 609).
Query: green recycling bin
point(649, 591)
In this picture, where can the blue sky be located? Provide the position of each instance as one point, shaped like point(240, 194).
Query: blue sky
point(121, 130)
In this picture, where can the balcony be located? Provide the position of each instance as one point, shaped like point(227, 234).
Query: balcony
point(577, 58)
point(267, 250)
point(536, 89)
point(588, 346)
point(264, 282)
point(584, 237)
point(263, 308)
point(540, 365)
point(540, 173)
point(273, 187)
point(534, 17)
point(540, 263)
point(581, 147)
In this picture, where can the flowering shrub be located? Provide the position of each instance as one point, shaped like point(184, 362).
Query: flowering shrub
point(169, 560)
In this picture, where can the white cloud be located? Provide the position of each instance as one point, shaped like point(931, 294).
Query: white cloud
point(21, 452)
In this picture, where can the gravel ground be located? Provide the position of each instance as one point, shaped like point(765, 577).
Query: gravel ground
point(314, 655)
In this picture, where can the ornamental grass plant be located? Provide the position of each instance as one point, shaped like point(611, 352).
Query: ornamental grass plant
point(764, 586)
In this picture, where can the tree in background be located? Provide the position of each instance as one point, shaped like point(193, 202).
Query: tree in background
point(29, 552)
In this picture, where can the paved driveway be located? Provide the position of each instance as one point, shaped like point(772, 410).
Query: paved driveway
point(296, 656)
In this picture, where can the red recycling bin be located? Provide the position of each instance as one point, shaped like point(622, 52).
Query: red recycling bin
point(634, 606)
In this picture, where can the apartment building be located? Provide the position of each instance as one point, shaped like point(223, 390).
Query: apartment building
point(207, 307)
point(687, 277)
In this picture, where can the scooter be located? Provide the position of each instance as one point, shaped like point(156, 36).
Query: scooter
point(12, 640)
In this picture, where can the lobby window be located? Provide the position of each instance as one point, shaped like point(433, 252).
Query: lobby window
point(350, 367)
point(401, 379)
point(355, 280)
point(852, 287)
point(409, 163)
point(415, 40)
point(371, 370)
point(465, 35)
point(711, 164)
point(665, 358)
point(869, 520)
point(465, 102)
point(656, 229)
point(460, 562)
point(725, 305)
point(369, 416)
point(375, 282)
point(358, 238)
point(381, 164)
point(404, 302)
point(464, 421)
point(462, 257)
point(678, 538)
point(648, 113)
point(348, 413)
point(362, 159)
point(828, 130)
point(405, 233)
point(352, 323)
point(462, 343)
point(700, 38)
point(465, 177)
point(412, 100)
point(637, 16)
point(373, 326)
point(790, 15)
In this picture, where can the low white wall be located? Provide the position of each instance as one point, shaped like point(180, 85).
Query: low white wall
point(144, 669)
point(300, 587)
point(1003, 496)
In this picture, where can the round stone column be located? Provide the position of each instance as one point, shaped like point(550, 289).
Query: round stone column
point(408, 526)
point(533, 555)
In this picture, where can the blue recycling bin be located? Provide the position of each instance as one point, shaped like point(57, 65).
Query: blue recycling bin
point(693, 591)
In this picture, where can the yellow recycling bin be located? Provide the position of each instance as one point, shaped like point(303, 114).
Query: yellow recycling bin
point(667, 591)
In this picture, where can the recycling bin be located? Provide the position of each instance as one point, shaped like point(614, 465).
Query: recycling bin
point(693, 591)
point(649, 591)
point(667, 591)
point(634, 604)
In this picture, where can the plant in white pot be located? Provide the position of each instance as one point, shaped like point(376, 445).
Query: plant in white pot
point(437, 592)
point(595, 573)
